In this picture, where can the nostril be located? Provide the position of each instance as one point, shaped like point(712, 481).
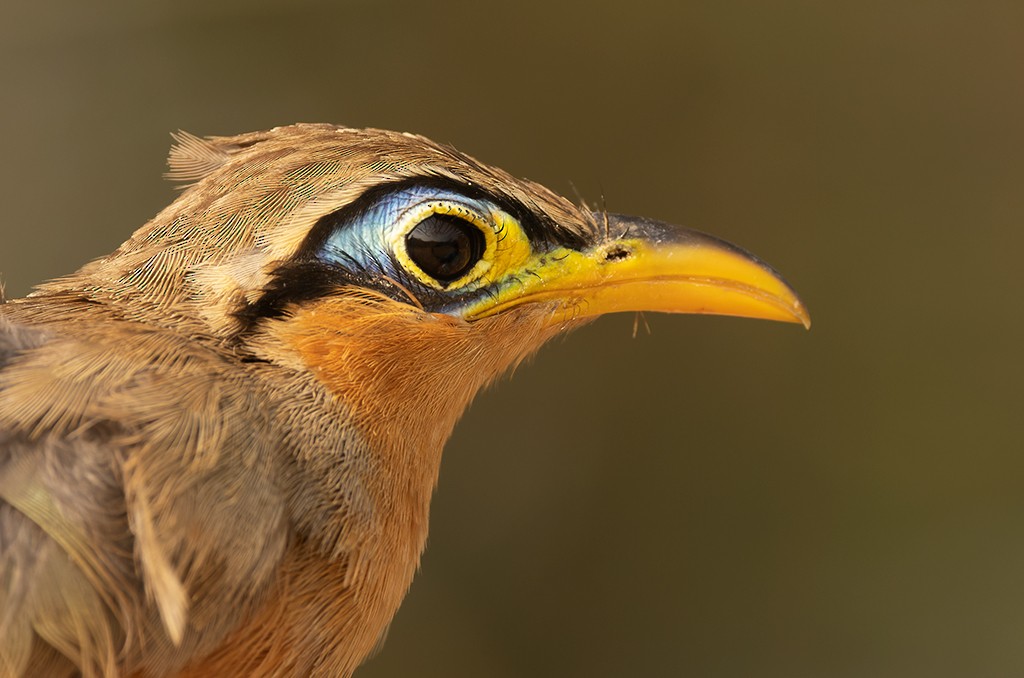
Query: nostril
point(617, 254)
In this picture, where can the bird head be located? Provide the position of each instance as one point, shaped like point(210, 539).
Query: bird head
point(402, 274)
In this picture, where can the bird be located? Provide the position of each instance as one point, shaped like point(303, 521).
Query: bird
point(219, 443)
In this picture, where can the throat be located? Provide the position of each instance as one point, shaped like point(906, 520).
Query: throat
point(403, 378)
point(404, 375)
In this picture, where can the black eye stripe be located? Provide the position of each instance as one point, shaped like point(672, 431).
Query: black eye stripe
point(445, 246)
point(307, 275)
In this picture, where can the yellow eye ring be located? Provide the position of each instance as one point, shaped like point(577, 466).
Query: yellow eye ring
point(420, 215)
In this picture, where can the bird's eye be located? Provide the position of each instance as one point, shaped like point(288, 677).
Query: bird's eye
point(445, 246)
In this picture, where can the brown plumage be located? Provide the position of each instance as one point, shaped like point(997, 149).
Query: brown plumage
point(218, 444)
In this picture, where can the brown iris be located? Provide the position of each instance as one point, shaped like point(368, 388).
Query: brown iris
point(445, 247)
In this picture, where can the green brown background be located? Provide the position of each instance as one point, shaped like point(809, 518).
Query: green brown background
point(717, 497)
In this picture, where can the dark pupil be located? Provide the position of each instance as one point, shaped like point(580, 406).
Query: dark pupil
point(445, 246)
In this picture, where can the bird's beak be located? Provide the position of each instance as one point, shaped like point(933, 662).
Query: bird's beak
point(647, 265)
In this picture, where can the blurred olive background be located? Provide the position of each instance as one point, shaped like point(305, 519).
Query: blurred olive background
point(713, 497)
